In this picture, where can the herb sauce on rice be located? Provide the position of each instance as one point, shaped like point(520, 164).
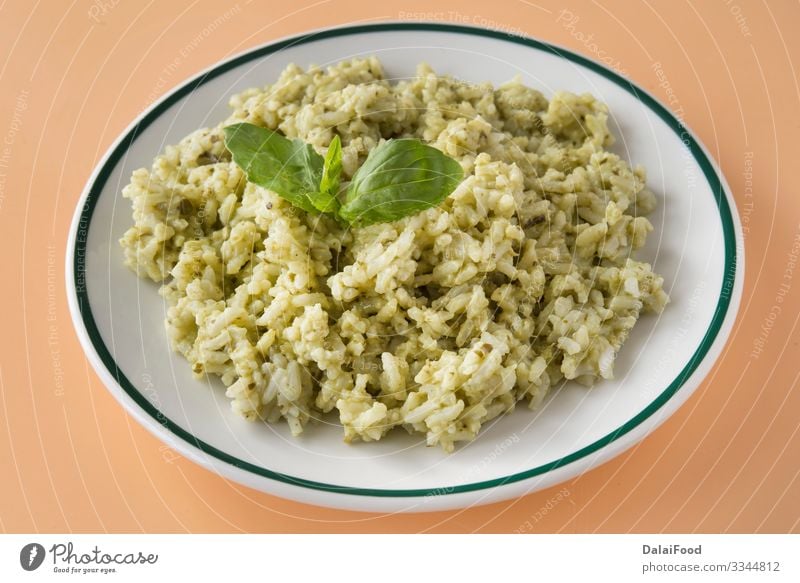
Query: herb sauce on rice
point(437, 322)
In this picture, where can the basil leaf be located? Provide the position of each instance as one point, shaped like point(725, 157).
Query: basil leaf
point(399, 178)
point(325, 200)
point(290, 168)
point(332, 169)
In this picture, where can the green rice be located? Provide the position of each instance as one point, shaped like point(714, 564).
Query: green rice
point(436, 323)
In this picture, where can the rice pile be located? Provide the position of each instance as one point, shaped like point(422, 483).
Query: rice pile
point(436, 323)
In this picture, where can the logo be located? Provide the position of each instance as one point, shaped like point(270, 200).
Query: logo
point(31, 556)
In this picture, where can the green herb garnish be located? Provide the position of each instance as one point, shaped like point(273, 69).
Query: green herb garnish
point(331, 171)
point(291, 168)
point(399, 178)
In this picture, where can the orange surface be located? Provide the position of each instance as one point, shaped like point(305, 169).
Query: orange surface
point(73, 75)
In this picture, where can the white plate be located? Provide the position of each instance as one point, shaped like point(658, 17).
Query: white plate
point(119, 318)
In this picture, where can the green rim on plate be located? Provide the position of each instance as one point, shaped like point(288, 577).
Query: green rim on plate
point(697, 152)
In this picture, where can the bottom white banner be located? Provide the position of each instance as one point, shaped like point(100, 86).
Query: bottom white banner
point(334, 558)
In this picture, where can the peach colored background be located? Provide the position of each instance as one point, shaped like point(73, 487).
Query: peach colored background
point(74, 75)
